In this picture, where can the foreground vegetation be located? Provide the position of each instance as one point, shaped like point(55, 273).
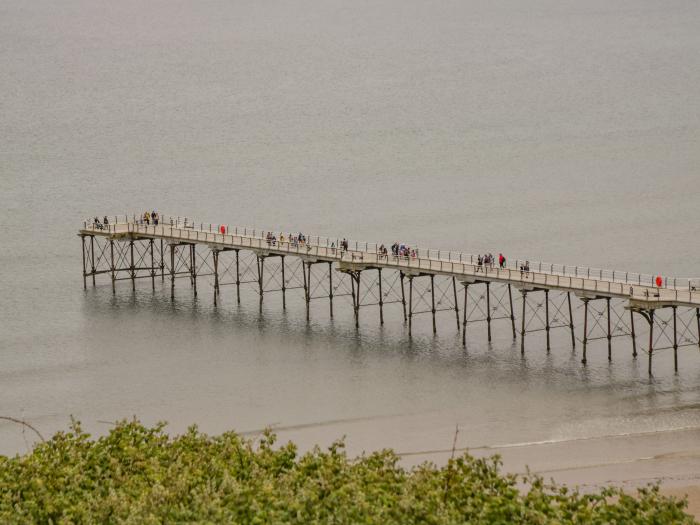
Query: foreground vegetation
point(141, 475)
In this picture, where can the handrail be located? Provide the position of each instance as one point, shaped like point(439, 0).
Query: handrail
point(361, 248)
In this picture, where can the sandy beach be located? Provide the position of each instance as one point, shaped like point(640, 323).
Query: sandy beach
point(671, 458)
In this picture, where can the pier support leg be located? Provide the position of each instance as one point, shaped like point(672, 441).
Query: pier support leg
point(162, 262)
point(432, 301)
point(403, 297)
point(354, 298)
point(355, 288)
point(132, 268)
point(330, 288)
point(697, 317)
point(546, 314)
point(381, 298)
point(238, 279)
point(571, 321)
point(651, 337)
point(464, 316)
point(454, 290)
point(512, 312)
point(172, 271)
point(193, 267)
point(522, 329)
point(92, 258)
point(261, 270)
point(675, 341)
point(82, 240)
point(284, 286)
point(153, 267)
point(607, 300)
point(111, 266)
point(357, 302)
point(634, 337)
point(307, 289)
point(585, 329)
point(215, 256)
point(410, 303)
point(488, 310)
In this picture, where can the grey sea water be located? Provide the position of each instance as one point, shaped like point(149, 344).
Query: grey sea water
point(549, 130)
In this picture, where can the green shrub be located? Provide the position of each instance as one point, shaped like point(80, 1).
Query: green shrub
point(137, 474)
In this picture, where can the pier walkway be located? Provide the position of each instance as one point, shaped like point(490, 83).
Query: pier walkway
point(141, 251)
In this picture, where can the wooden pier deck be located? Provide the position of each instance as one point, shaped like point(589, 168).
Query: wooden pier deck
point(141, 252)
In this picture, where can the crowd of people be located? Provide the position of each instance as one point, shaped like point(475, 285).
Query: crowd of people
point(401, 250)
point(397, 249)
point(294, 240)
point(147, 219)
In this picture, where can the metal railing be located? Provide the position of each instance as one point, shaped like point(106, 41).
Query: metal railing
point(568, 276)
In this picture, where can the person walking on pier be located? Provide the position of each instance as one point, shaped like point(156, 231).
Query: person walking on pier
point(525, 269)
point(501, 261)
point(479, 262)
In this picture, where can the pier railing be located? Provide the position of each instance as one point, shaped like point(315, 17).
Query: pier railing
point(634, 285)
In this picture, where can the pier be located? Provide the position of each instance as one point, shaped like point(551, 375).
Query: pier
point(433, 282)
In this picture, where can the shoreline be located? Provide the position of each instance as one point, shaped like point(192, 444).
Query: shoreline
point(629, 461)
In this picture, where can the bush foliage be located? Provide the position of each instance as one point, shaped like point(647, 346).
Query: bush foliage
point(137, 474)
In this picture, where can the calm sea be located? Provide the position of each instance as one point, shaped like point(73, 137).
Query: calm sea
point(564, 131)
